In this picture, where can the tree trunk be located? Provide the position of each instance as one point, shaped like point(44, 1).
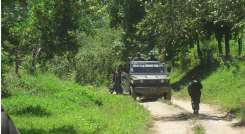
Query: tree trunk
point(227, 44)
point(17, 62)
point(33, 64)
point(199, 52)
point(35, 54)
point(239, 46)
point(219, 40)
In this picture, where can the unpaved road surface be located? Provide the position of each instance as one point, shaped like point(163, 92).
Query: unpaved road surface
point(177, 118)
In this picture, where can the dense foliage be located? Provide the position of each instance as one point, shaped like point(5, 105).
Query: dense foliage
point(66, 36)
point(176, 26)
point(60, 36)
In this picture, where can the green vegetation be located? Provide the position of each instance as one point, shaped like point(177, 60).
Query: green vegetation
point(84, 41)
point(224, 86)
point(198, 129)
point(45, 104)
point(176, 26)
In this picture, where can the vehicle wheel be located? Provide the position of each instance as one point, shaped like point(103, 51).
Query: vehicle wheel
point(132, 93)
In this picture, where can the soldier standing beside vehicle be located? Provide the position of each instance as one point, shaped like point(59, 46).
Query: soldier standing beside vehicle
point(194, 90)
point(117, 80)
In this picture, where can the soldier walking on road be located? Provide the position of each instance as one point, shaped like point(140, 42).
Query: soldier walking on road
point(194, 90)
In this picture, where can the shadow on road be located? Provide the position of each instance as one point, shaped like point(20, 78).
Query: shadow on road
point(187, 116)
point(67, 129)
point(148, 100)
point(239, 124)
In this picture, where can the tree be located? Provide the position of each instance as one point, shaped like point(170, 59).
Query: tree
point(13, 43)
point(127, 14)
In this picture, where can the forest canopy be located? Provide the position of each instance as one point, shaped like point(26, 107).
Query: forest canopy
point(69, 37)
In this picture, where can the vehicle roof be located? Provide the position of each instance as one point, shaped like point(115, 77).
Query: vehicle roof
point(142, 62)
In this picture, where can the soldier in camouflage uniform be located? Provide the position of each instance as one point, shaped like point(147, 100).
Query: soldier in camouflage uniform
point(117, 86)
point(194, 90)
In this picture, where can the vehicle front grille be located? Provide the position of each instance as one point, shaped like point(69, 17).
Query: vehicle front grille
point(151, 83)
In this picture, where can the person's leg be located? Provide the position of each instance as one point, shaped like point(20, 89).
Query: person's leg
point(192, 103)
point(196, 101)
point(196, 107)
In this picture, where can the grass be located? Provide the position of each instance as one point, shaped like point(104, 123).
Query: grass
point(45, 104)
point(224, 86)
point(198, 129)
point(197, 126)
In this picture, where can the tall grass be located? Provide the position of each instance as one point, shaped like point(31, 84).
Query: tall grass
point(45, 104)
point(225, 86)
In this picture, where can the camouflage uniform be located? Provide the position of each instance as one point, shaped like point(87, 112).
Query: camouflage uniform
point(117, 81)
point(194, 90)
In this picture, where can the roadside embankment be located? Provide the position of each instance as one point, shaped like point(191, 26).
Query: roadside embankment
point(45, 104)
point(224, 86)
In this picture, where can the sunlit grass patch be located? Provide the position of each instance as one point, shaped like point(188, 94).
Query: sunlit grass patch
point(45, 104)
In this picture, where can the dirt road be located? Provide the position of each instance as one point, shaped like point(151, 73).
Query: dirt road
point(177, 118)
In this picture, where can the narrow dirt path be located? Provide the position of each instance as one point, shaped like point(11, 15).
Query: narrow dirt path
point(214, 121)
point(177, 119)
point(168, 119)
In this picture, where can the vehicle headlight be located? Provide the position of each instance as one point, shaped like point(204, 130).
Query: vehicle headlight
point(162, 81)
point(141, 81)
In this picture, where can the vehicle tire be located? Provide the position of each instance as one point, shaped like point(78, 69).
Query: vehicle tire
point(132, 93)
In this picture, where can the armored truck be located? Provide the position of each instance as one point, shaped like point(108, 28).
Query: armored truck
point(147, 79)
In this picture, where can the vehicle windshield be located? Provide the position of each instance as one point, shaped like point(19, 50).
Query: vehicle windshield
point(147, 68)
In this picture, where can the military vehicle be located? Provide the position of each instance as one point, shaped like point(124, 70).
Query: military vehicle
point(147, 79)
